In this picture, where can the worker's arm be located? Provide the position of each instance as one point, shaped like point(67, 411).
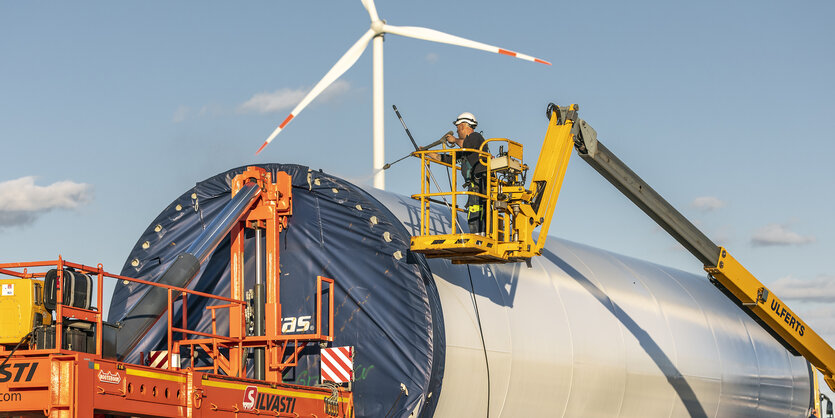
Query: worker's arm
point(445, 158)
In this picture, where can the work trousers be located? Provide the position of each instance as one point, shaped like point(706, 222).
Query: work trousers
point(476, 210)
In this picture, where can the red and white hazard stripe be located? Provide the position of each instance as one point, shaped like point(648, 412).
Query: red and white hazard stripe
point(338, 364)
point(158, 359)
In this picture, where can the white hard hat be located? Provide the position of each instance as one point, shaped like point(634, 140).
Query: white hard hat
point(466, 117)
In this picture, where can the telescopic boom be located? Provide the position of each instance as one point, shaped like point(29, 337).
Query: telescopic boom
point(725, 272)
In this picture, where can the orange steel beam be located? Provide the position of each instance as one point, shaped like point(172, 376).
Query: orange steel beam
point(99, 293)
point(236, 327)
point(78, 384)
point(59, 309)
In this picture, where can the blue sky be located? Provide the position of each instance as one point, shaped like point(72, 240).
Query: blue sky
point(110, 110)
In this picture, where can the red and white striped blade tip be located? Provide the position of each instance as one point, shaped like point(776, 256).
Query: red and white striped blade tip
point(276, 132)
point(262, 148)
point(516, 55)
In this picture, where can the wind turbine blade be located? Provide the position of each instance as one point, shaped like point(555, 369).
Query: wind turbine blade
point(445, 38)
point(372, 10)
point(347, 61)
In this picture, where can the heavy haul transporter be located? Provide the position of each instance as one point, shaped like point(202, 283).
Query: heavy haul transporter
point(62, 359)
point(514, 210)
point(58, 358)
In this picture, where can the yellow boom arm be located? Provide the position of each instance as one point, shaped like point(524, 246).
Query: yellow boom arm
point(725, 272)
point(550, 168)
point(774, 314)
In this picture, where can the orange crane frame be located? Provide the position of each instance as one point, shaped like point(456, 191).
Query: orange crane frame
point(62, 383)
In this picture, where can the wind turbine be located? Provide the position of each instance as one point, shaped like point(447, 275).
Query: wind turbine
point(376, 32)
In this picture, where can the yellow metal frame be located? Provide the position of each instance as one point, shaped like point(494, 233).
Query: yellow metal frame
point(460, 247)
point(775, 314)
point(550, 169)
point(512, 211)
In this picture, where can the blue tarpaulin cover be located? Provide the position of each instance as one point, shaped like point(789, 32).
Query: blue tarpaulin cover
point(386, 302)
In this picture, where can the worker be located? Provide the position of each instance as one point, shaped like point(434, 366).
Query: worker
point(473, 171)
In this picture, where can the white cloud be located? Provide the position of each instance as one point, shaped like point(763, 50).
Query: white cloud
point(22, 202)
point(276, 101)
point(819, 289)
point(211, 110)
point(722, 236)
point(811, 300)
point(775, 234)
point(432, 57)
point(817, 316)
point(181, 114)
point(286, 99)
point(707, 203)
point(820, 319)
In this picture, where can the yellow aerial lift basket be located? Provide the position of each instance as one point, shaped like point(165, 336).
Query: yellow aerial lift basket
point(513, 210)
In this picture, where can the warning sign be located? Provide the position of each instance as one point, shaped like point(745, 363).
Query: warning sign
point(8, 289)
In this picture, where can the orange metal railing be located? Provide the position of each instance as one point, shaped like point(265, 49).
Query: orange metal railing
point(63, 311)
point(211, 342)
